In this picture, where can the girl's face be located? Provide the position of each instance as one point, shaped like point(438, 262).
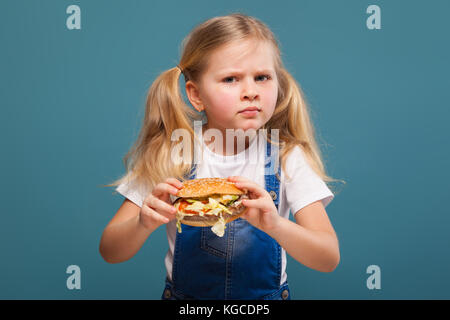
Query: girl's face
point(239, 75)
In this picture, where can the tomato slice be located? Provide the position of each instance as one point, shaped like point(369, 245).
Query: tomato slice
point(184, 204)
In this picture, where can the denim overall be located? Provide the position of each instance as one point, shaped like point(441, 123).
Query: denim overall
point(243, 264)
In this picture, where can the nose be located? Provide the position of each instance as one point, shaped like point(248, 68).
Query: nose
point(249, 90)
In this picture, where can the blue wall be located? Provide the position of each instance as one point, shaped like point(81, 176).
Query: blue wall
point(73, 100)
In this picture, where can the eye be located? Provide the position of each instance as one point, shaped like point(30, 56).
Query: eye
point(229, 79)
point(262, 77)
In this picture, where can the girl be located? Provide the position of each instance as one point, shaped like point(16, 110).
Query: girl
point(234, 76)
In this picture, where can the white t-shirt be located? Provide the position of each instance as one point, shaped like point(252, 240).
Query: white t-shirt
point(304, 188)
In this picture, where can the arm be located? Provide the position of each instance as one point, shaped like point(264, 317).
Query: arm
point(132, 225)
point(312, 240)
point(124, 235)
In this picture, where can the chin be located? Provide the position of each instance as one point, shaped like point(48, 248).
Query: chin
point(252, 125)
point(246, 128)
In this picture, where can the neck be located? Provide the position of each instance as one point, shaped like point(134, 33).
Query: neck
point(234, 144)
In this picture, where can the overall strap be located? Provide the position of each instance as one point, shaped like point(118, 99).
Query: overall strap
point(271, 166)
point(192, 173)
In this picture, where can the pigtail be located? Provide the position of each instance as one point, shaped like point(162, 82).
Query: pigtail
point(149, 161)
point(292, 117)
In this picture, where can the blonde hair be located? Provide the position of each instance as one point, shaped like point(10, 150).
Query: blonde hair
point(148, 160)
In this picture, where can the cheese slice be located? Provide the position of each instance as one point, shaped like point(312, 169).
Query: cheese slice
point(219, 227)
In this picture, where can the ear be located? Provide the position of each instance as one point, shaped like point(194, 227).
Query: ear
point(193, 95)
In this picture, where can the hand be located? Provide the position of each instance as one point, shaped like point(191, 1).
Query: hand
point(156, 208)
point(261, 212)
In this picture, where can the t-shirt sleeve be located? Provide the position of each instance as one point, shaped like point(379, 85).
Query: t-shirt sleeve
point(133, 192)
point(305, 186)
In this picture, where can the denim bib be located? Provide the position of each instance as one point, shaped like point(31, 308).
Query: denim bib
point(243, 264)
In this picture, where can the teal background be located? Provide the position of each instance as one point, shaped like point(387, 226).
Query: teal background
point(72, 103)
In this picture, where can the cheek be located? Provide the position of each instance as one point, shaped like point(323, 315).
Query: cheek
point(270, 99)
point(222, 102)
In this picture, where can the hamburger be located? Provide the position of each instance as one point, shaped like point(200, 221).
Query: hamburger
point(209, 202)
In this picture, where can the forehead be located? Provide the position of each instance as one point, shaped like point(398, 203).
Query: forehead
point(245, 54)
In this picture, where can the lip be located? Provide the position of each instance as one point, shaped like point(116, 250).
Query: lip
point(249, 109)
point(249, 114)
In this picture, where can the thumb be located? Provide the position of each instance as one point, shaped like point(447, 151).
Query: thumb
point(255, 203)
point(249, 213)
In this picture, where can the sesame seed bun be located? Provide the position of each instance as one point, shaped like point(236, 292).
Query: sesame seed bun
point(206, 186)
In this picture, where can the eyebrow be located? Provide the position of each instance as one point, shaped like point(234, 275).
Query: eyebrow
point(236, 71)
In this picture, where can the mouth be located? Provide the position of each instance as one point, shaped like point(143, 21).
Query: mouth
point(249, 112)
point(250, 109)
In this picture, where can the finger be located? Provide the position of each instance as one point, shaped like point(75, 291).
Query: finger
point(151, 215)
point(250, 214)
point(250, 186)
point(174, 182)
point(240, 182)
point(255, 203)
point(237, 179)
point(245, 215)
point(159, 218)
point(161, 206)
point(164, 189)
